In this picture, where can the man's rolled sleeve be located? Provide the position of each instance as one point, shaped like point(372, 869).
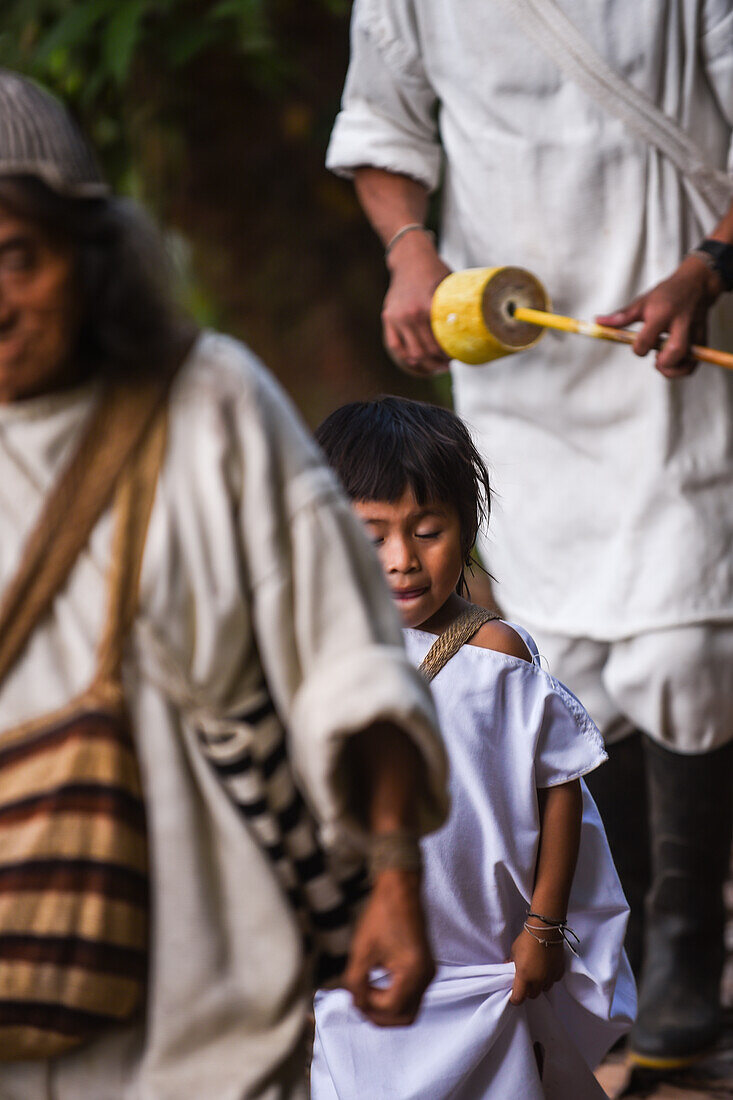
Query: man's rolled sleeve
point(338, 699)
point(387, 118)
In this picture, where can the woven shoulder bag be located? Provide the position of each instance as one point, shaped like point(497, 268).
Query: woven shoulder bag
point(73, 847)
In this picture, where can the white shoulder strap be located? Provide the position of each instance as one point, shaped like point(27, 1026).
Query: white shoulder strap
point(710, 189)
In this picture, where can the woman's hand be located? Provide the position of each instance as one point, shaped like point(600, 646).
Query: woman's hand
point(391, 936)
point(388, 776)
point(538, 967)
point(416, 269)
point(678, 305)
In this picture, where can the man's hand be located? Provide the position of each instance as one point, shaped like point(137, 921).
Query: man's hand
point(391, 935)
point(678, 305)
point(416, 270)
point(538, 967)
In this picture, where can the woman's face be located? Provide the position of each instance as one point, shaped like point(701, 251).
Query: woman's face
point(38, 310)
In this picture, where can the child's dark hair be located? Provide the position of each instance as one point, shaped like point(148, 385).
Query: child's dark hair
point(381, 448)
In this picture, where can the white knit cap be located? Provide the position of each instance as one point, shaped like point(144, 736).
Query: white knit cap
point(38, 137)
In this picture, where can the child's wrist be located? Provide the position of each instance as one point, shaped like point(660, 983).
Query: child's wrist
point(550, 916)
point(548, 937)
point(549, 932)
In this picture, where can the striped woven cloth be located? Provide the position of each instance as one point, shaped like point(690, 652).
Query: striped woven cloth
point(73, 880)
point(250, 759)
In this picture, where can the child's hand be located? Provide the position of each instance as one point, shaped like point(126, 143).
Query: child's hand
point(538, 967)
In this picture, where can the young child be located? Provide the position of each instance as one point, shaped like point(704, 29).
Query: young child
point(519, 1007)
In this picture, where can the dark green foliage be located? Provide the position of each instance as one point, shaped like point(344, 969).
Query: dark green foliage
point(91, 51)
point(216, 114)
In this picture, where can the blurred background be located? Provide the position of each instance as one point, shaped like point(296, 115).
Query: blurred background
point(215, 114)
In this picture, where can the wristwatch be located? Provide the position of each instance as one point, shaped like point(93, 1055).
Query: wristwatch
point(719, 258)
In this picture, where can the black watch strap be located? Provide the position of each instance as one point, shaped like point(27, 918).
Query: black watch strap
point(719, 258)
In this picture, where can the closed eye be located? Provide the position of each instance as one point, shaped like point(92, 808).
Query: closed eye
point(17, 255)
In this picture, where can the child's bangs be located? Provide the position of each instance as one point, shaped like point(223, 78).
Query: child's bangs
point(381, 448)
point(384, 459)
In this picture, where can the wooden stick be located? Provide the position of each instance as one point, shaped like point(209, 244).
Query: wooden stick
point(616, 335)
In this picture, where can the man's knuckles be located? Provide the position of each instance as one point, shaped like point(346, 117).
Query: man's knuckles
point(408, 318)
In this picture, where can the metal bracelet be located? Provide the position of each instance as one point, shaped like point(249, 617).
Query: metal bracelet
point(397, 851)
point(560, 926)
point(543, 939)
point(401, 233)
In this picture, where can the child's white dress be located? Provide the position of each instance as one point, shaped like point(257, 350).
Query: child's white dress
point(509, 728)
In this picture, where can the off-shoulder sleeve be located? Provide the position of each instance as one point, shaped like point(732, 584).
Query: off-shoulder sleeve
point(568, 743)
point(387, 118)
point(327, 633)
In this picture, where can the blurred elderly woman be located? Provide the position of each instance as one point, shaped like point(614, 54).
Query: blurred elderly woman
point(168, 854)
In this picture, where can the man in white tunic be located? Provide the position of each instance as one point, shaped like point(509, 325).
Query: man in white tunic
point(614, 512)
point(255, 579)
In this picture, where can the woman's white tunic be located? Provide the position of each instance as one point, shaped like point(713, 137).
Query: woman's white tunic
point(253, 565)
point(509, 728)
point(614, 512)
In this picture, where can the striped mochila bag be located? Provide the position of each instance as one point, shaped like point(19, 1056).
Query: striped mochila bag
point(73, 846)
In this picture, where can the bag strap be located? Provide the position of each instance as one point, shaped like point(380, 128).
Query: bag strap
point(133, 505)
point(551, 29)
point(450, 641)
point(75, 503)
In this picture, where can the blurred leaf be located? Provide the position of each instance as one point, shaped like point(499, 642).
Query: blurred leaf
point(87, 51)
point(236, 8)
point(121, 36)
point(253, 28)
point(189, 41)
point(78, 21)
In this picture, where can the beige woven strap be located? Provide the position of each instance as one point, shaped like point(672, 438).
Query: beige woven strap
point(450, 641)
point(133, 505)
point(73, 506)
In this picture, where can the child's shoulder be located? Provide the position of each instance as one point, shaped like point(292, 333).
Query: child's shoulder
point(502, 638)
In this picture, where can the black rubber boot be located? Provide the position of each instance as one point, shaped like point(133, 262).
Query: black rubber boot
point(619, 790)
point(691, 815)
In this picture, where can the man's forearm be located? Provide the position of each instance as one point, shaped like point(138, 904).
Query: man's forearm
point(714, 285)
point(390, 200)
point(389, 772)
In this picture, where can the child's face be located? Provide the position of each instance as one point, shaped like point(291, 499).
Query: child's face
point(419, 547)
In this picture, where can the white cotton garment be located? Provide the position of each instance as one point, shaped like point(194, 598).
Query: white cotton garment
point(614, 486)
point(509, 728)
point(254, 567)
point(676, 684)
